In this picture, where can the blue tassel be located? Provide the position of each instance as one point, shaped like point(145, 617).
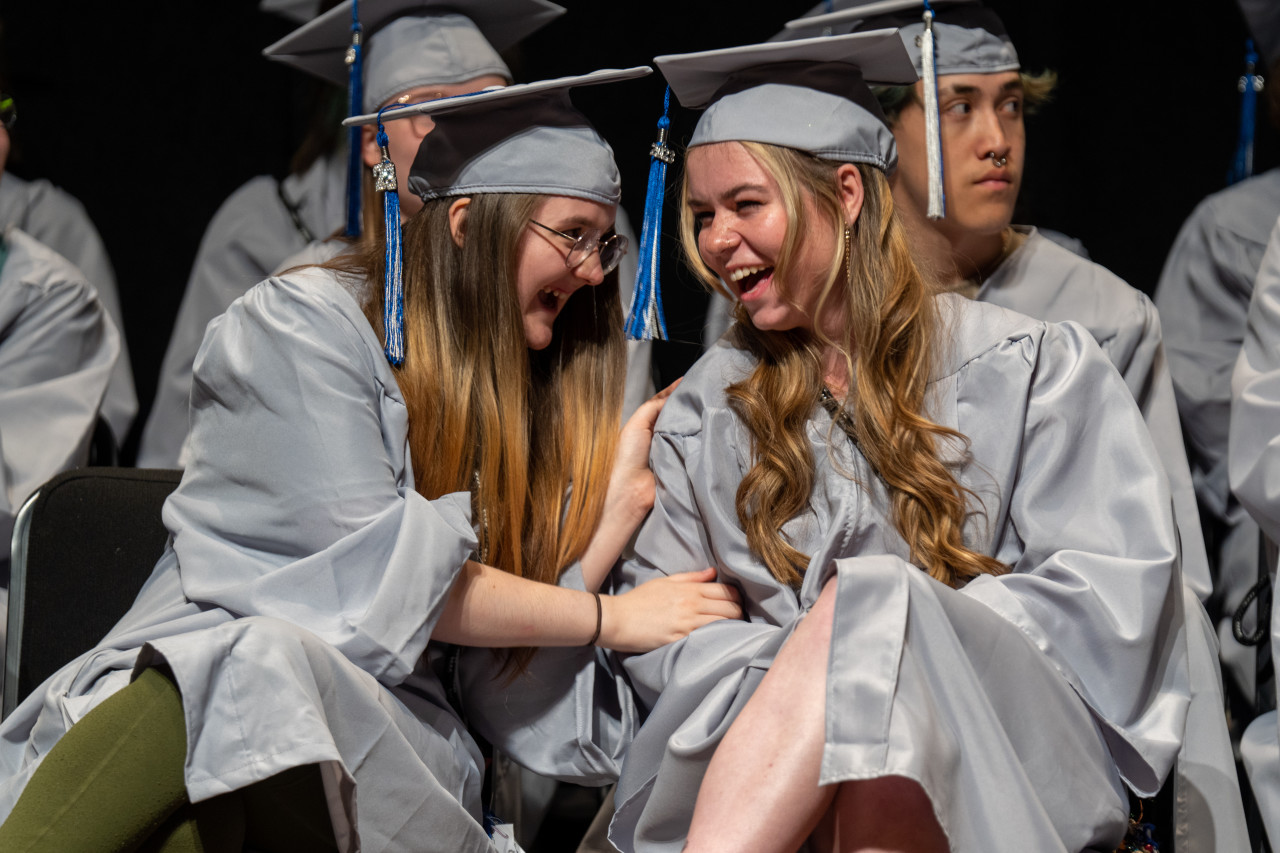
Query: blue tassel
point(355, 103)
point(393, 284)
point(646, 321)
point(1249, 85)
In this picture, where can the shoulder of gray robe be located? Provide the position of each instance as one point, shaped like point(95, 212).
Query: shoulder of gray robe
point(1203, 297)
point(57, 349)
point(303, 580)
point(1045, 281)
point(1071, 496)
point(251, 234)
point(1254, 467)
point(58, 220)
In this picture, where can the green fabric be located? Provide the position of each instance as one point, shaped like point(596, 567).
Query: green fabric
point(115, 783)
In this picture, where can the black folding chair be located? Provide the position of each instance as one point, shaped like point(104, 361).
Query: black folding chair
point(83, 545)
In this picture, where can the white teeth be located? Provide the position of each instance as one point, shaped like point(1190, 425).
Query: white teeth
point(554, 294)
point(740, 274)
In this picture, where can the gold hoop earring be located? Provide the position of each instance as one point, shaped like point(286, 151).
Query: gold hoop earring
point(848, 254)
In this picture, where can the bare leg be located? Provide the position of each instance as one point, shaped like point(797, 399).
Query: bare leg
point(761, 789)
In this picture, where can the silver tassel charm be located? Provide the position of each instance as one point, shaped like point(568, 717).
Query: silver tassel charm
point(932, 126)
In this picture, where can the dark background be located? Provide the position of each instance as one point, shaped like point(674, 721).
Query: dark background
point(151, 113)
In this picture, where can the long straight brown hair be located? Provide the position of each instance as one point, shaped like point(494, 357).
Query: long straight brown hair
point(531, 435)
point(891, 317)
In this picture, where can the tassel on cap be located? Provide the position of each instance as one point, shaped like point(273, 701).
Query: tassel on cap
point(1249, 85)
point(384, 175)
point(646, 321)
point(932, 126)
point(355, 106)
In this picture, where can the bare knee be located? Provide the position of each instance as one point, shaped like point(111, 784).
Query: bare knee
point(891, 814)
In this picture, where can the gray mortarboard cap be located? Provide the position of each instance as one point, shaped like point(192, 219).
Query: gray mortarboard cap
point(810, 94)
point(1263, 18)
point(526, 138)
point(411, 43)
point(969, 38)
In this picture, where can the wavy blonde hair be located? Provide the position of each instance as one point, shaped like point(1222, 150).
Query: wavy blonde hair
point(472, 386)
point(892, 321)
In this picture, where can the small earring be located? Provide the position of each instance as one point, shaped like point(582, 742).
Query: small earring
point(1000, 162)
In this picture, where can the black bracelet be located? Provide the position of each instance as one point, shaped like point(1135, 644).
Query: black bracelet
point(599, 620)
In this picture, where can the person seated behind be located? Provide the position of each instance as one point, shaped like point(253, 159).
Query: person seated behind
point(58, 221)
point(1203, 296)
point(1254, 474)
point(365, 486)
point(57, 350)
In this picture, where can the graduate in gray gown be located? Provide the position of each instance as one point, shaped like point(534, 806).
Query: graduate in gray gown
point(412, 50)
point(1203, 297)
point(1254, 471)
point(358, 444)
point(57, 220)
point(952, 534)
point(57, 349)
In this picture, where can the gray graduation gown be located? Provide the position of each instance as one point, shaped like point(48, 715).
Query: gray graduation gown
point(1253, 462)
point(248, 238)
point(56, 219)
point(1019, 702)
point(1203, 297)
point(298, 594)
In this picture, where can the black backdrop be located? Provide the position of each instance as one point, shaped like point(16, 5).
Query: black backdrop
point(151, 113)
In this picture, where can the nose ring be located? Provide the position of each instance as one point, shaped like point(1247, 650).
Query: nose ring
point(998, 162)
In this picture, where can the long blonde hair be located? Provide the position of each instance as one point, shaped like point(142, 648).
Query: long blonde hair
point(514, 427)
point(891, 318)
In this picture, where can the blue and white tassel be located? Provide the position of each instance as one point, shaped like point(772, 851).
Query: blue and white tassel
point(646, 322)
point(355, 104)
point(932, 126)
point(1249, 85)
point(384, 176)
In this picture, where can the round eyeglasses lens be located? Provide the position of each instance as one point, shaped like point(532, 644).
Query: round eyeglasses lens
point(611, 252)
point(8, 111)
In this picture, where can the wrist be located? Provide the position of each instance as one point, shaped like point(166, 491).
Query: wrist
point(631, 499)
point(609, 621)
point(599, 619)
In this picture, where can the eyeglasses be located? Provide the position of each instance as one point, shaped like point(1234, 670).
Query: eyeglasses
point(8, 111)
point(611, 249)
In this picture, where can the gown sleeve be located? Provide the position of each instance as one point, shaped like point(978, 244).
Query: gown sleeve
point(57, 350)
point(298, 502)
point(1089, 538)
